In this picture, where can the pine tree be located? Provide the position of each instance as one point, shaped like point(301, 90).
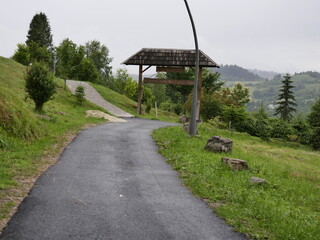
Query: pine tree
point(40, 32)
point(286, 100)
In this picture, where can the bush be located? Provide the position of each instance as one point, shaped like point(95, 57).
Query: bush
point(80, 94)
point(315, 139)
point(302, 129)
point(280, 129)
point(88, 72)
point(248, 125)
point(40, 84)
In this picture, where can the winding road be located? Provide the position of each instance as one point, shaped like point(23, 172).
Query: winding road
point(110, 183)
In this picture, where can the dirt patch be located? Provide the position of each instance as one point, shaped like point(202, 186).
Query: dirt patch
point(99, 114)
point(10, 199)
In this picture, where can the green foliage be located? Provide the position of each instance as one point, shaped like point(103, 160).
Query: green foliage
point(99, 55)
point(211, 82)
point(40, 32)
point(248, 125)
point(87, 71)
point(314, 116)
point(22, 55)
point(179, 93)
point(39, 54)
point(237, 96)
point(233, 115)
point(31, 54)
point(40, 84)
point(286, 208)
point(286, 100)
point(70, 57)
point(80, 93)
point(280, 129)
point(315, 139)
point(302, 129)
point(262, 124)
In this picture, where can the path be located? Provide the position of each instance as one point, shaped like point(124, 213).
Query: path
point(93, 96)
point(111, 183)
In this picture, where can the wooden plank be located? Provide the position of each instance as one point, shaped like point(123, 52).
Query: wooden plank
point(170, 69)
point(168, 81)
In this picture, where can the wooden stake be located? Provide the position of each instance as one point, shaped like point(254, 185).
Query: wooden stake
point(140, 90)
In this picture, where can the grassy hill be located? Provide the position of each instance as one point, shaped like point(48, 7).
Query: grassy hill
point(30, 142)
point(287, 207)
point(130, 106)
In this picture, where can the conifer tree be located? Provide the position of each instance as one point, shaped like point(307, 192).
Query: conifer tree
point(286, 100)
point(40, 32)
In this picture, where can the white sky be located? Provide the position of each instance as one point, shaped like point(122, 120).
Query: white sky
point(275, 35)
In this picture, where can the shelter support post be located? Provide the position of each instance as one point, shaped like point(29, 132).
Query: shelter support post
point(140, 91)
point(199, 93)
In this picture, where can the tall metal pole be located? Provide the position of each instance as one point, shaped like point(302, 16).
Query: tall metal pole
point(193, 119)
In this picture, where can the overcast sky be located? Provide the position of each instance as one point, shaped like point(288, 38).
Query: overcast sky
point(274, 35)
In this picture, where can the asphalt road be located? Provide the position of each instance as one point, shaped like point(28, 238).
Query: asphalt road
point(111, 183)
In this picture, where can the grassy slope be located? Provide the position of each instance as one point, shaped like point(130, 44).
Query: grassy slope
point(26, 137)
point(130, 106)
point(287, 208)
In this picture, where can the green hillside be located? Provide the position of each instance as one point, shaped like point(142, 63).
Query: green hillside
point(287, 207)
point(307, 87)
point(29, 142)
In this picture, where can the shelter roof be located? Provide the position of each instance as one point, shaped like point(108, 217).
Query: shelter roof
point(169, 57)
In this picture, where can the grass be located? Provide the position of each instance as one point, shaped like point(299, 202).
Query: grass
point(130, 106)
point(287, 207)
point(29, 141)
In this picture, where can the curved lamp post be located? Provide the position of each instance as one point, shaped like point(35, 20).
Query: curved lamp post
point(193, 120)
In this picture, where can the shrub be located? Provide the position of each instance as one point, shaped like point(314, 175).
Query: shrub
point(40, 85)
point(248, 125)
point(315, 139)
point(302, 129)
point(280, 129)
point(80, 94)
point(87, 71)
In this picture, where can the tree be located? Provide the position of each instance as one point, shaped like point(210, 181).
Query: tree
point(70, 57)
point(40, 32)
point(99, 55)
point(314, 116)
point(87, 71)
point(314, 120)
point(22, 55)
point(237, 96)
point(262, 124)
point(40, 85)
point(286, 100)
point(211, 82)
point(39, 54)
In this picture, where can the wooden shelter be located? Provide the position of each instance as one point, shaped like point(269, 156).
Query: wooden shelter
point(168, 60)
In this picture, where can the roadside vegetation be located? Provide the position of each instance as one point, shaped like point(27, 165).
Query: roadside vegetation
point(29, 140)
point(286, 208)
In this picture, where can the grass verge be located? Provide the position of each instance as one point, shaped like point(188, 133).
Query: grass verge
point(287, 207)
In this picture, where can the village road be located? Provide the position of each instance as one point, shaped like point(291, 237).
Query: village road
point(110, 183)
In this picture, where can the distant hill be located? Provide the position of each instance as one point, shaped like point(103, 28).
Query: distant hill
point(234, 73)
point(264, 74)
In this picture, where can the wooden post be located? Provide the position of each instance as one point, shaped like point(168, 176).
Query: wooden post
point(199, 93)
point(140, 91)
